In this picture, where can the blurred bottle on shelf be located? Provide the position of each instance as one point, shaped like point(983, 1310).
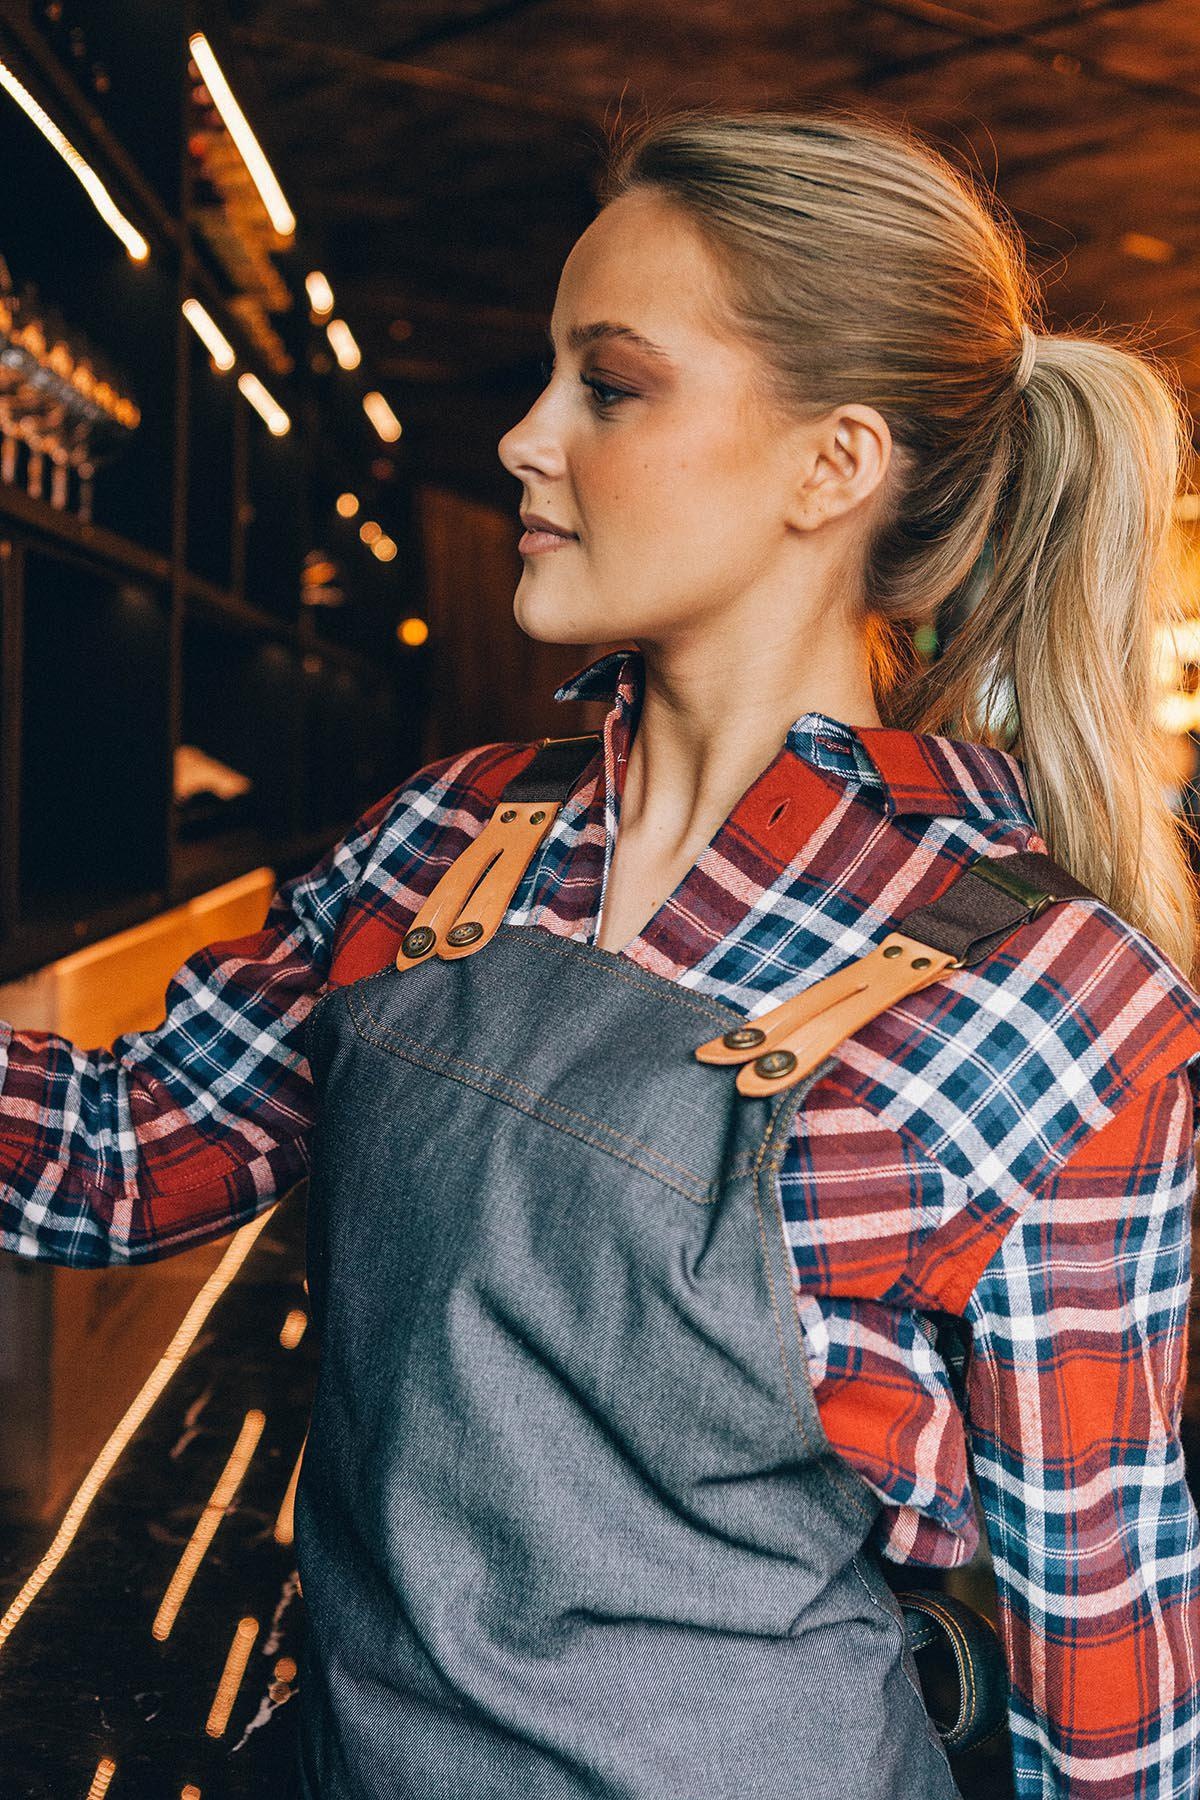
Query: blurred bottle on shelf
point(60, 404)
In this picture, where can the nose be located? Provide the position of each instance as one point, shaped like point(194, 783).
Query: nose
point(532, 447)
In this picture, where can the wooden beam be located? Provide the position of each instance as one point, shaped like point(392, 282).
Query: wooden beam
point(386, 72)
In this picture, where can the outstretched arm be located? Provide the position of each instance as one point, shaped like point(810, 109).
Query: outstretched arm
point(185, 1132)
point(1075, 1395)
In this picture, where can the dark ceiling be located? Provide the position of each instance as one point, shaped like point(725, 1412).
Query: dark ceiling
point(442, 155)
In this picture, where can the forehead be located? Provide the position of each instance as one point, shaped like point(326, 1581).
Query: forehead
point(643, 263)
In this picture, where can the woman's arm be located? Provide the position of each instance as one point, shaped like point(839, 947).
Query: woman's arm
point(1075, 1391)
point(185, 1132)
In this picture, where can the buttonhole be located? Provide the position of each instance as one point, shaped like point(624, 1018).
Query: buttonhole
point(778, 813)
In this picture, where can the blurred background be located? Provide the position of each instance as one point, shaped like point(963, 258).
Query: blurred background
point(274, 279)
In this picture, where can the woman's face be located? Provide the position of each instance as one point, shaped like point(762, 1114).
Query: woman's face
point(653, 444)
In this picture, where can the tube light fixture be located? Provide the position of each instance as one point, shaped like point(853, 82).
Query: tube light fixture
point(83, 172)
point(268, 409)
point(343, 345)
point(238, 126)
point(382, 417)
point(320, 294)
point(210, 334)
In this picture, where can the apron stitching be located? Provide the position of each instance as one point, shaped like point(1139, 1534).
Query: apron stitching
point(408, 1049)
point(658, 985)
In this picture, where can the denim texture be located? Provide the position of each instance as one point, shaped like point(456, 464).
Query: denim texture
point(568, 1522)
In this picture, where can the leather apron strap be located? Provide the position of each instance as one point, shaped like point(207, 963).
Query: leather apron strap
point(468, 903)
point(981, 908)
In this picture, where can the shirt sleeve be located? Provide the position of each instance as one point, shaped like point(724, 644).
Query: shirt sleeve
point(185, 1132)
point(1075, 1393)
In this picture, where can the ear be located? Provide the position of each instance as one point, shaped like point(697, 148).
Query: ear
point(842, 461)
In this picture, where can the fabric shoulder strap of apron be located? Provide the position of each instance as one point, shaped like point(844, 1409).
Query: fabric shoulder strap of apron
point(984, 904)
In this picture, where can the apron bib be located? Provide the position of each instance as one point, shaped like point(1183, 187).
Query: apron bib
point(568, 1522)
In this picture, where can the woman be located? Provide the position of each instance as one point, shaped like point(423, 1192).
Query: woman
point(629, 1375)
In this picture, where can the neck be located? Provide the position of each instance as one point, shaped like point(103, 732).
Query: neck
point(713, 717)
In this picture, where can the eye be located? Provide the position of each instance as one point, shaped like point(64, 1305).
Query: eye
point(603, 395)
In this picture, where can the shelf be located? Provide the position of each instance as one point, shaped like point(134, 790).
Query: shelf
point(94, 541)
point(58, 924)
point(208, 600)
point(207, 862)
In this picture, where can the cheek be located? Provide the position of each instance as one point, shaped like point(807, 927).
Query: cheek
point(664, 484)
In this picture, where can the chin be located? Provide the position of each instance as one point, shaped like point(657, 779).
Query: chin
point(552, 621)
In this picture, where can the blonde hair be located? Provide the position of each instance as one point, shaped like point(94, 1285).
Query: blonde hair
point(865, 267)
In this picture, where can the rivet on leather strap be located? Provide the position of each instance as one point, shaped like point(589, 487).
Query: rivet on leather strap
point(800, 1033)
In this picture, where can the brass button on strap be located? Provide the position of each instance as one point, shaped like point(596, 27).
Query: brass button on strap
point(469, 902)
point(787, 1043)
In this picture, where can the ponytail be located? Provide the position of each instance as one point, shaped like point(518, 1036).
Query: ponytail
point(1057, 659)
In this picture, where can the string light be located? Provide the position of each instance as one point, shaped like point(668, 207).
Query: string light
point(210, 334)
point(106, 1768)
point(343, 344)
point(369, 531)
point(382, 417)
point(268, 409)
point(347, 505)
point(293, 1328)
point(384, 548)
point(238, 126)
point(320, 294)
point(217, 1505)
point(285, 1523)
point(83, 172)
point(144, 1401)
point(412, 632)
point(231, 1677)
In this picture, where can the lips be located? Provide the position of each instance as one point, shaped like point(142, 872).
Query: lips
point(542, 535)
point(534, 522)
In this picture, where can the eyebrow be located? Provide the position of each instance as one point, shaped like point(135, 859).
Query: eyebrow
point(580, 336)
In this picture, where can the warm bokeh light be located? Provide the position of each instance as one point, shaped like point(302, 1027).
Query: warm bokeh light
point(343, 344)
point(382, 417)
point(83, 172)
point(268, 409)
point(106, 1768)
point(384, 548)
point(292, 1329)
point(369, 531)
point(320, 294)
point(210, 334)
point(412, 632)
point(215, 1509)
point(238, 126)
point(231, 1677)
point(347, 505)
point(1144, 248)
point(285, 1520)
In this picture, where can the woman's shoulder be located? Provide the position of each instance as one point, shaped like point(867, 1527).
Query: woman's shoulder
point(1002, 1069)
point(458, 790)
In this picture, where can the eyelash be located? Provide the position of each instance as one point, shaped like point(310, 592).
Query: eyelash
point(599, 389)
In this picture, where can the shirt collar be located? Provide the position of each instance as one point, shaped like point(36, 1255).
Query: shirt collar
point(906, 771)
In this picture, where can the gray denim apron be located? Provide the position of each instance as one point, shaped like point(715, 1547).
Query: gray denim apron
point(568, 1522)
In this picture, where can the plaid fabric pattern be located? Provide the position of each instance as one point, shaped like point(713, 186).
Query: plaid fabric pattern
point(1014, 1145)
